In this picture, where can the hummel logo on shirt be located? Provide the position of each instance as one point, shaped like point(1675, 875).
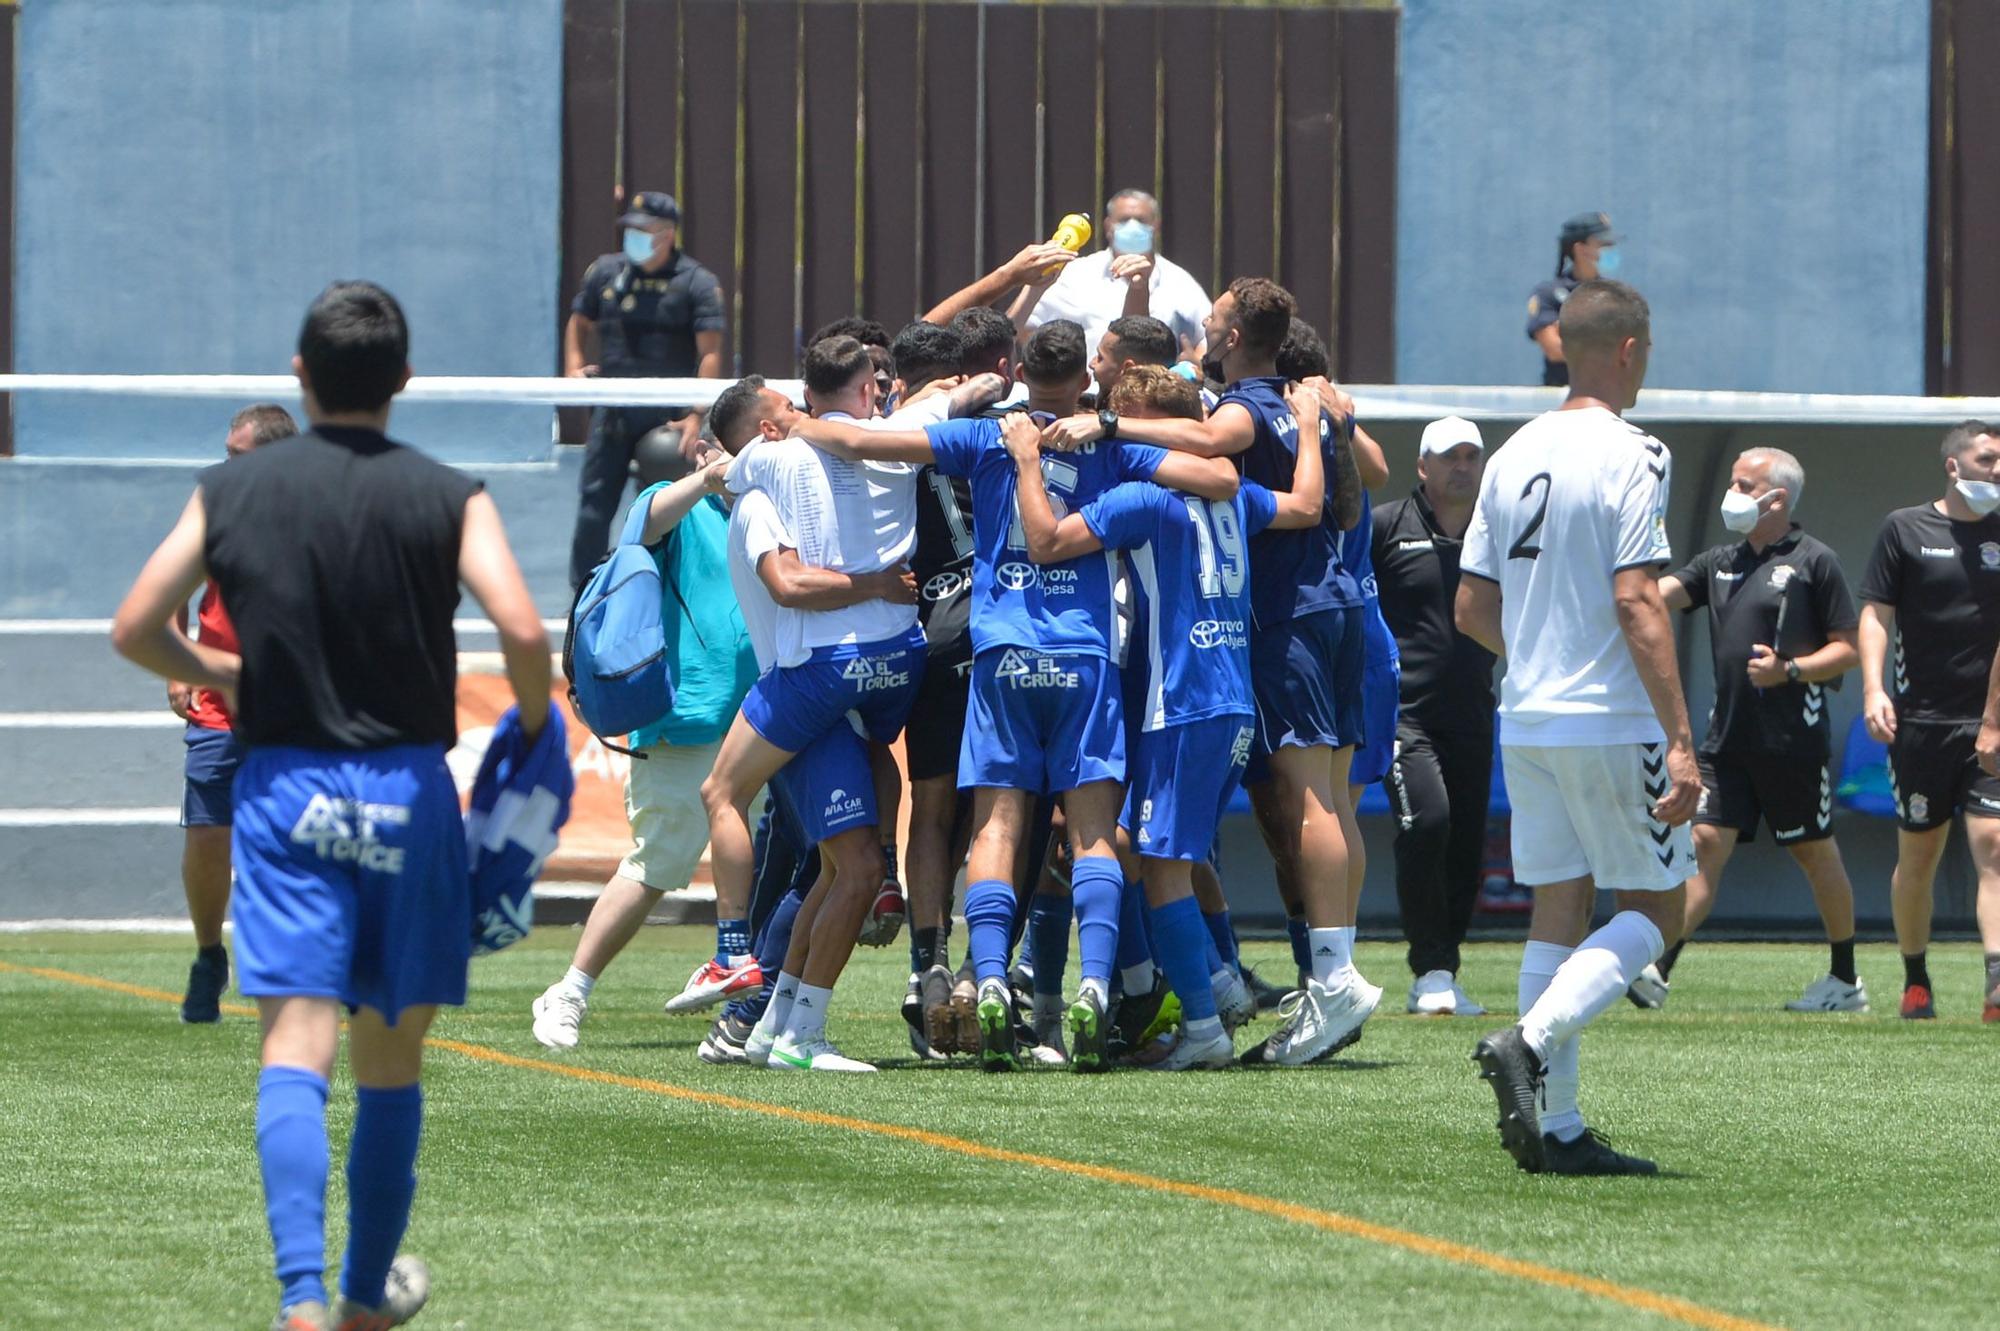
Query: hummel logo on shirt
point(1938, 551)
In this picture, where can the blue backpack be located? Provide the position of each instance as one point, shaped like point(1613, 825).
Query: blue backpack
point(615, 653)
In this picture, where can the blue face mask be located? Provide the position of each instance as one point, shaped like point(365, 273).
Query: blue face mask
point(1608, 263)
point(638, 245)
point(1132, 236)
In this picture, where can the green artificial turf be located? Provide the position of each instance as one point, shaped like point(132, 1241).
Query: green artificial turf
point(1823, 1171)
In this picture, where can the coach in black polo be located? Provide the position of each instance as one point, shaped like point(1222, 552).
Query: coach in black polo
point(1442, 775)
point(1781, 626)
point(1933, 588)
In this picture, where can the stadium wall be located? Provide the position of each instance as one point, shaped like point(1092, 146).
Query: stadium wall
point(189, 175)
point(1726, 141)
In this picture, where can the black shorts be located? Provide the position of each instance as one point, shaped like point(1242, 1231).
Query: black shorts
point(1793, 795)
point(937, 718)
point(1934, 774)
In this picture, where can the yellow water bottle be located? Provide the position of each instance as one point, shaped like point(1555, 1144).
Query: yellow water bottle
point(1072, 233)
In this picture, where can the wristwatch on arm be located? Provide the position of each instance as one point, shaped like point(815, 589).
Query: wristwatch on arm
point(1791, 670)
point(1107, 421)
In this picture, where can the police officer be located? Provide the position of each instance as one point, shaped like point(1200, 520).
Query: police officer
point(1933, 588)
point(1583, 251)
point(648, 311)
point(1442, 775)
point(1781, 624)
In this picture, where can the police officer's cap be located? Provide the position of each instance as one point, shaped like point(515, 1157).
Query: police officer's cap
point(650, 207)
point(1585, 225)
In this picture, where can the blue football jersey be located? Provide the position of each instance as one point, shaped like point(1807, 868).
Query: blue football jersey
point(1357, 556)
point(1191, 562)
point(1060, 608)
point(1298, 571)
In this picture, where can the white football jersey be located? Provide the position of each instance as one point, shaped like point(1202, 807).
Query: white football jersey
point(755, 530)
point(848, 516)
point(1573, 498)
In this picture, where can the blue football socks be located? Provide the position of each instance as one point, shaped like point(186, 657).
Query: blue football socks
point(989, 923)
point(1181, 943)
point(1097, 883)
point(1224, 935)
point(1048, 935)
point(291, 1148)
point(381, 1181)
point(732, 939)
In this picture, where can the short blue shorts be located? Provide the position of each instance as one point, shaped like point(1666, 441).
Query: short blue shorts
point(791, 706)
point(1305, 674)
point(351, 879)
point(1182, 779)
point(1043, 722)
point(212, 759)
point(1381, 690)
point(828, 785)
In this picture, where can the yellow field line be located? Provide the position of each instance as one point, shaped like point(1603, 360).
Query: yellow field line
point(1461, 1254)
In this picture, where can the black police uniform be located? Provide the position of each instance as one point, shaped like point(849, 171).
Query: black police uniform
point(646, 326)
point(1442, 775)
point(1767, 750)
point(1942, 578)
point(1544, 308)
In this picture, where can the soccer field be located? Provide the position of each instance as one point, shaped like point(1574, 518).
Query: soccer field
point(1832, 1172)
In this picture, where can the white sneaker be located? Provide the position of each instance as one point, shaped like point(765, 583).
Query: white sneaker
point(558, 1013)
point(1216, 1052)
point(1649, 990)
point(1827, 994)
point(1236, 1005)
point(1432, 994)
point(763, 1038)
point(1465, 1006)
point(815, 1055)
point(1324, 1022)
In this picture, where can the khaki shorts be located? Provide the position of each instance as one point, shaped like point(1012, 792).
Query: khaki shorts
point(663, 804)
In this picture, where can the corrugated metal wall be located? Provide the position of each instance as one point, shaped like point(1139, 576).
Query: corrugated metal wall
point(832, 158)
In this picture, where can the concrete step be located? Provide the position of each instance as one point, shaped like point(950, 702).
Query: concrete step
point(75, 870)
point(85, 766)
point(68, 665)
point(72, 669)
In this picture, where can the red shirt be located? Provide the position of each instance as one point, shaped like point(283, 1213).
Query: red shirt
point(207, 709)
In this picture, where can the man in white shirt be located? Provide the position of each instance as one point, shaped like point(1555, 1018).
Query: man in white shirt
point(835, 671)
point(1128, 276)
point(1559, 577)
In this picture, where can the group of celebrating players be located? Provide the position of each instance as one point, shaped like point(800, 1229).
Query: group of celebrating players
point(1097, 615)
point(1094, 622)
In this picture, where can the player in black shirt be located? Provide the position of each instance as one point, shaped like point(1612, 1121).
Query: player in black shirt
point(942, 564)
point(340, 554)
point(1933, 585)
point(1442, 776)
point(1781, 626)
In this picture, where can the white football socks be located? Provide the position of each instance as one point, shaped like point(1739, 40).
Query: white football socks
point(779, 1010)
point(1138, 980)
point(1559, 1113)
point(578, 983)
point(1332, 951)
point(1591, 980)
point(807, 1018)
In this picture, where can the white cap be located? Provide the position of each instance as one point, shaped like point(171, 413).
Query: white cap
point(1447, 434)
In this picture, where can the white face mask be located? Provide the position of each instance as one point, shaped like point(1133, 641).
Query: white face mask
point(1982, 497)
point(1740, 511)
